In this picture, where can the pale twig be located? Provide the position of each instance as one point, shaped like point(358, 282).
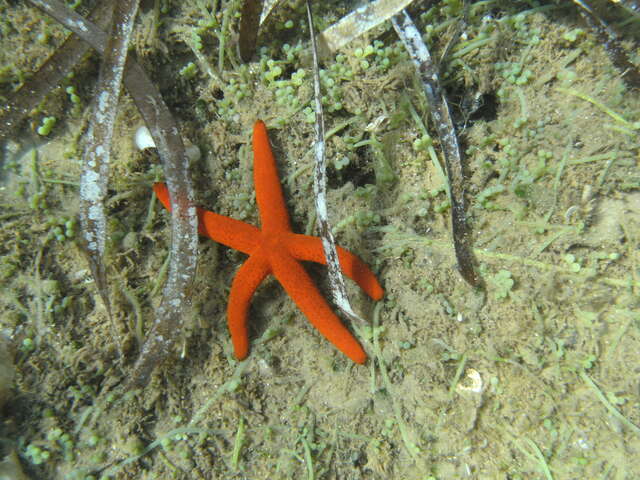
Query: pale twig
point(97, 152)
point(336, 280)
point(358, 22)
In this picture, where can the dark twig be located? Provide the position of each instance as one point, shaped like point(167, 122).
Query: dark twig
point(630, 72)
point(48, 76)
point(441, 116)
point(184, 222)
point(632, 6)
point(336, 280)
point(249, 27)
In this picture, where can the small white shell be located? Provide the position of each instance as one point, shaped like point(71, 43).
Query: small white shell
point(192, 152)
point(474, 384)
point(143, 139)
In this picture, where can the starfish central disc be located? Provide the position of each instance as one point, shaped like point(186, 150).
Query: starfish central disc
point(272, 241)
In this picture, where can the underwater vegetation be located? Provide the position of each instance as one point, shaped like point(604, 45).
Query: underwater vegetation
point(531, 376)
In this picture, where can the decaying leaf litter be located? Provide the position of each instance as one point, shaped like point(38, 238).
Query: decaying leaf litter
point(426, 346)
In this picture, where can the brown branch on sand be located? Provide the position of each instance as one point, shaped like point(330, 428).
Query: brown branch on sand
point(428, 72)
point(50, 74)
point(609, 38)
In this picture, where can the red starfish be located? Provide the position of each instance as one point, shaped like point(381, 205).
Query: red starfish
point(277, 250)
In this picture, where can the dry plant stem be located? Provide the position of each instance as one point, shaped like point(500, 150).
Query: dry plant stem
point(184, 223)
point(48, 76)
point(632, 6)
point(249, 27)
point(457, 33)
point(184, 244)
point(97, 152)
point(336, 280)
point(630, 72)
point(441, 116)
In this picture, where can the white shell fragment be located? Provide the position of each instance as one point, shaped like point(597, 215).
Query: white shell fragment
point(143, 139)
point(474, 383)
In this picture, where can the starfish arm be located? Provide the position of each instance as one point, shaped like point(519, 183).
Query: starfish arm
point(300, 287)
point(228, 231)
point(269, 196)
point(247, 279)
point(305, 247)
